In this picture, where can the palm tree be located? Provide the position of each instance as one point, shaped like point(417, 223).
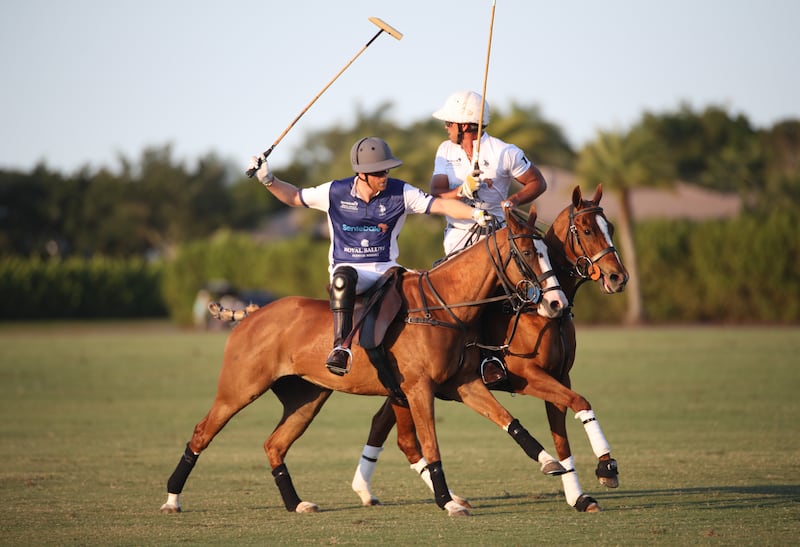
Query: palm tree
point(622, 162)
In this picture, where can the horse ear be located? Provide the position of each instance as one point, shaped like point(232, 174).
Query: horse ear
point(532, 216)
point(598, 194)
point(576, 196)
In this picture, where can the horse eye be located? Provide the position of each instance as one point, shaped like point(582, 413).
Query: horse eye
point(587, 232)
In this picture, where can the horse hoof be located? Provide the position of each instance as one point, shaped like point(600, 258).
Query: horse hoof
point(607, 472)
point(367, 499)
point(609, 482)
point(307, 507)
point(553, 468)
point(169, 509)
point(456, 510)
point(461, 501)
point(586, 504)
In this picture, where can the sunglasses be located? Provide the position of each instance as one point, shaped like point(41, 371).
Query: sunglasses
point(383, 173)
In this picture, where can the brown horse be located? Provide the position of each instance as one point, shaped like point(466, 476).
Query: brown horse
point(283, 346)
point(539, 353)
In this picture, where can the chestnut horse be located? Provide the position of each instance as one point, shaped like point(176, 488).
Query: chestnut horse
point(539, 353)
point(283, 346)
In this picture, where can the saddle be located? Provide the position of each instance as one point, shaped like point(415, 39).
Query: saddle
point(373, 315)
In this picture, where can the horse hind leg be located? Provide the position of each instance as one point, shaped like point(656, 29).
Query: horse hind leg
point(382, 423)
point(204, 433)
point(302, 402)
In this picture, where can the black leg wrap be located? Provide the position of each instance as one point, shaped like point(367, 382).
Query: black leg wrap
point(530, 445)
point(178, 478)
point(607, 469)
point(290, 498)
point(440, 491)
point(583, 503)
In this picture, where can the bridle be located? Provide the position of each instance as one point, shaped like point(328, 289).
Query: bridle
point(584, 266)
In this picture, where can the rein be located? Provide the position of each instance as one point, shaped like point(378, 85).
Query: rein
point(530, 285)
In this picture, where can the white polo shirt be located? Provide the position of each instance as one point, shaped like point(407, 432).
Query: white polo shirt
point(499, 161)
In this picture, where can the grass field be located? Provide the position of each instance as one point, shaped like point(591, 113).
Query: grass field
point(703, 421)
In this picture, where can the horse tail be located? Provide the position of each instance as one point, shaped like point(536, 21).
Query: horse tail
point(218, 311)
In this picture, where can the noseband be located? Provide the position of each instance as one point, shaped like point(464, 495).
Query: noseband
point(528, 290)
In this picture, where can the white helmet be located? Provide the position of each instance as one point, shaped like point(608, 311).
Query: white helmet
point(463, 107)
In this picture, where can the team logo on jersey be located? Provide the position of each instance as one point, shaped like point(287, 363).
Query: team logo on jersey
point(381, 209)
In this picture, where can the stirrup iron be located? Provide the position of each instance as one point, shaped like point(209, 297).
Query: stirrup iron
point(499, 368)
point(333, 365)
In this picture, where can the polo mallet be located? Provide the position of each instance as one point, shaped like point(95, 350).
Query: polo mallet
point(384, 27)
point(476, 155)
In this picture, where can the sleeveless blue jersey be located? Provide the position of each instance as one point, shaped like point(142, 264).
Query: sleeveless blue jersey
point(365, 232)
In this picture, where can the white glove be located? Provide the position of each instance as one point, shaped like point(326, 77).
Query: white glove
point(468, 187)
point(261, 167)
point(481, 217)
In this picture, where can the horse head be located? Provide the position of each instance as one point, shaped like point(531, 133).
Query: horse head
point(581, 241)
point(537, 278)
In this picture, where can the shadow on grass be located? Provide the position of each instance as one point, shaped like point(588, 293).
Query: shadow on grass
point(745, 497)
point(715, 497)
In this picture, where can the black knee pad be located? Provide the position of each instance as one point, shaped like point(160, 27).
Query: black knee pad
point(343, 288)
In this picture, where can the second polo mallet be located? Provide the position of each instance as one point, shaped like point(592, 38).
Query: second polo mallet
point(384, 27)
point(476, 155)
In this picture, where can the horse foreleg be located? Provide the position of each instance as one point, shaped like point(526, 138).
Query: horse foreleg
point(302, 401)
point(542, 385)
point(420, 406)
point(475, 395)
point(607, 472)
point(556, 416)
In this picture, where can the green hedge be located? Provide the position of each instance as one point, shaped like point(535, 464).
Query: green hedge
point(77, 288)
point(743, 270)
point(292, 266)
point(736, 270)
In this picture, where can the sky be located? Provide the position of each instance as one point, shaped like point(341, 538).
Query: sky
point(87, 82)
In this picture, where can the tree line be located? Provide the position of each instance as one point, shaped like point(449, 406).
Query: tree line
point(151, 206)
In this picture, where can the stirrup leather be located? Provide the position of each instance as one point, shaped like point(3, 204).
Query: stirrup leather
point(334, 365)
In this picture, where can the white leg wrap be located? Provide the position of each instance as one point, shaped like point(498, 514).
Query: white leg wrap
point(569, 480)
point(420, 467)
point(173, 503)
point(598, 441)
point(366, 466)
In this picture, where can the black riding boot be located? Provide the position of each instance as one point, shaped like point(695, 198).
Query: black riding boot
point(343, 299)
